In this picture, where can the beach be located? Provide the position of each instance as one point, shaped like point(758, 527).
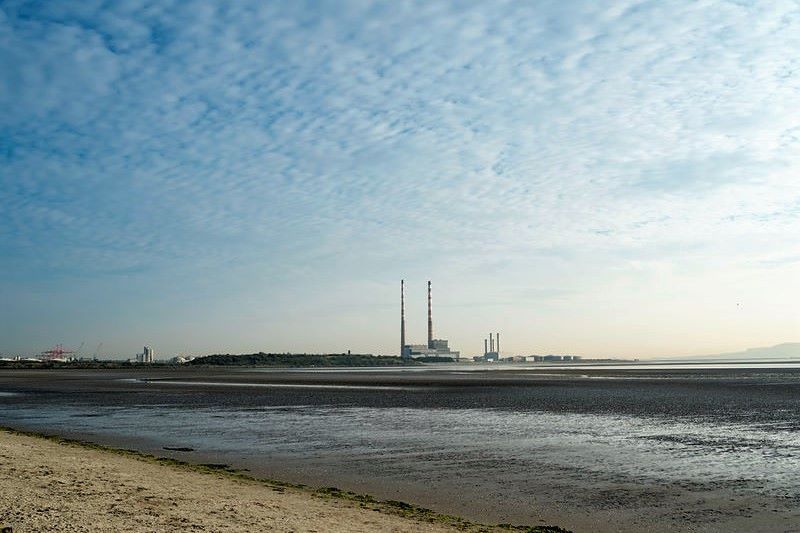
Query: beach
point(603, 450)
point(51, 485)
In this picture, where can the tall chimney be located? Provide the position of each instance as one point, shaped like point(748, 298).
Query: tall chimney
point(491, 342)
point(402, 317)
point(485, 346)
point(498, 343)
point(430, 318)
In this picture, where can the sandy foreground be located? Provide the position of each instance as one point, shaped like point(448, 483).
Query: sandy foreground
point(48, 485)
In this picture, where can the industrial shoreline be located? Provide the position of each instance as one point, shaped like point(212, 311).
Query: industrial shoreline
point(55, 484)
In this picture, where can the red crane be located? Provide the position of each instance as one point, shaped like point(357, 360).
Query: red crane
point(57, 352)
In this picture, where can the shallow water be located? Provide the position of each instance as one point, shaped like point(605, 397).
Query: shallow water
point(687, 450)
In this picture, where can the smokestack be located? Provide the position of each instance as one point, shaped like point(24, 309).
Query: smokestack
point(491, 342)
point(430, 318)
point(402, 317)
point(498, 343)
point(485, 346)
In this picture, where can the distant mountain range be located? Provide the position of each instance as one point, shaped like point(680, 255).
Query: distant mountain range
point(788, 350)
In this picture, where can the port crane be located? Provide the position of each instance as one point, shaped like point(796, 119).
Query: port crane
point(56, 352)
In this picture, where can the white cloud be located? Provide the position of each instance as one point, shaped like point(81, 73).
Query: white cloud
point(557, 143)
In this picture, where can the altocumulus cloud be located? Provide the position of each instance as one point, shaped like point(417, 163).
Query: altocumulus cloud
point(329, 141)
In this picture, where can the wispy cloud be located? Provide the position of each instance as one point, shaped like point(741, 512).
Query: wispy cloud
point(302, 146)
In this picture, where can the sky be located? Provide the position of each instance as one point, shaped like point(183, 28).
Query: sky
point(596, 178)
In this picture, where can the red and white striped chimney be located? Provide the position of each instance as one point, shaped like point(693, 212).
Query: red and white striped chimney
point(430, 318)
point(402, 317)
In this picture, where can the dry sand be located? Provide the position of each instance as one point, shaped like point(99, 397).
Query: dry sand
point(46, 485)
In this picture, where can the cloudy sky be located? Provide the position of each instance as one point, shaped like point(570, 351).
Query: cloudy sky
point(602, 178)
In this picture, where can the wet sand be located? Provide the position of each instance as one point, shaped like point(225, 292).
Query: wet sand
point(56, 486)
point(708, 450)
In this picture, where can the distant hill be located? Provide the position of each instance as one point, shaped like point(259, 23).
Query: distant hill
point(788, 350)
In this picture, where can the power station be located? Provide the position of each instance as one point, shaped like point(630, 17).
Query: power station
point(434, 347)
point(491, 352)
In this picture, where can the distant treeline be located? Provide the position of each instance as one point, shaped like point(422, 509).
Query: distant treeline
point(301, 359)
point(253, 359)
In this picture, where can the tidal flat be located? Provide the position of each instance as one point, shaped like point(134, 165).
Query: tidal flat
point(623, 449)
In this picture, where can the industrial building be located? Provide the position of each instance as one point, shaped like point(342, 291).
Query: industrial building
point(491, 351)
point(554, 358)
point(434, 347)
point(146, 356)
